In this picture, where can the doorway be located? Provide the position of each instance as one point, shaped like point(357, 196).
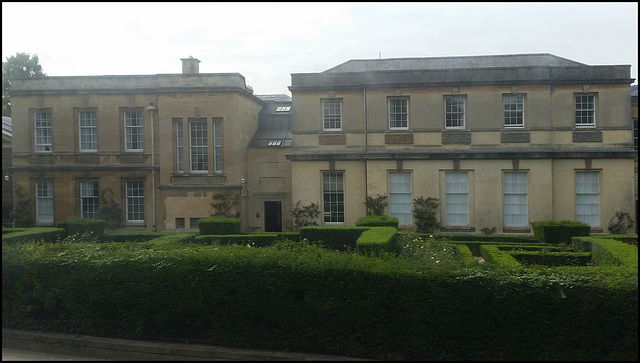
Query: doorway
point(272, 217)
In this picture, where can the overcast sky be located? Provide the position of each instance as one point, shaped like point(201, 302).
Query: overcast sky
point(266, 42)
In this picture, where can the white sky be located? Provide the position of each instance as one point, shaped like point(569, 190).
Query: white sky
point(266, 42)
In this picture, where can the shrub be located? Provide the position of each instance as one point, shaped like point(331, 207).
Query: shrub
point(620, 223)
point(424, 212)
point(559, 231)
point(377, 221)
point(305, 215)
point(219, 225)
point(376, 205)
point(79, 226)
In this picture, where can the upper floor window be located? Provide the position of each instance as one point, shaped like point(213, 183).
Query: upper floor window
point(332, 115)
point(217, 145)
point(42, 127)
point(198, 146)
point(635, 133)
point(586, 111)
point(513, 108)
point(454, 112)
point(87, 131)
point(398, 113)
point(133, 131)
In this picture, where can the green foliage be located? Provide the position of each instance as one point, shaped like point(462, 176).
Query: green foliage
point(305, 215)
point(377, 240)
point(377, 221)
point(73, 226)
point(488, 231)
point(620, 223)
point(20, 216)
point(424, 213)
point(555, 232)
point(21, 65)
point(110, 211)
point(219, 225)
point(225, 206)
point(376, 205)
point(427, 250)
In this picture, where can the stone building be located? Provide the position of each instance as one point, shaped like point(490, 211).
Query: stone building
point(500, 141)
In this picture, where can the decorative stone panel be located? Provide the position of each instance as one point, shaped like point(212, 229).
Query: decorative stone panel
point(398, 138)
point(340, 139)
point(41, 159)
point(515, 137)
point(86, 159)
point(454, 137)
point(198, 180)
point(587, 136)
point(132, 159)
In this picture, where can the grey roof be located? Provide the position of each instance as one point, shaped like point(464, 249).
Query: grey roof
point(6, 126)
point(634, 90)
point(485, 61)
point(274, 122)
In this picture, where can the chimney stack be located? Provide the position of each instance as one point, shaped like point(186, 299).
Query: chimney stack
point(190, 65)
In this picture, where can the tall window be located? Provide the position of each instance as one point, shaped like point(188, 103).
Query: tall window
point(457, 198)
point(588, 198)
point(400, 196)
point(44, 201)
point(89, 199)
point(133, 131)
point(217, 145)
point(333, 193)
point(585, 111)
point(454, 113)
point(179, 147)
point(198, 146)
point(135, 201)
point(398, 113)
point(513, 107)
point(42, 126)
point(87, 131)
point(514, 187)
point(635, 133)
point(332, 115)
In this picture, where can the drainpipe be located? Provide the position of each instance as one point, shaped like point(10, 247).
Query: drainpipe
point(151, 108)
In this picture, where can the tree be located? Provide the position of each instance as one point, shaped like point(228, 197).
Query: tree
point(21, 65)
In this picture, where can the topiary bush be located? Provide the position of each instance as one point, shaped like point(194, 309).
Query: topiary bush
point(377, 221)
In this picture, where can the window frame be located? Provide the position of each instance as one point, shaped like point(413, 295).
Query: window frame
point(92, 200)
point(401, 210)
point(336, 198)
point(44, 211)
point(329, 118)
point(448, 113)
point(90, 128)
point(507, 194)
point(198, 162)
point(521, 112)
point(449, 202)
point(42, 134)
point(218, 161)
point(584, 217)
point(179, 134)
point(134, 200)
point(131, 131)
point(577, 110)
point(404, 111)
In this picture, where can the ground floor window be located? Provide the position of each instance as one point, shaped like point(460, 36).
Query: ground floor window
point(135, 201)
point(514, 187)
point(333, 197)
point(44, 202)
point(588, 198)
point(400, 196)
point(89, 200)
point(457, 198)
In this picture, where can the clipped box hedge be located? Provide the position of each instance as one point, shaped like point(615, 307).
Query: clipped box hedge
point(334, 237)
point(556, 232)
point(376, 240)
point(21, 235)
point(79, 225)
point(219, 225)
point(377, 221)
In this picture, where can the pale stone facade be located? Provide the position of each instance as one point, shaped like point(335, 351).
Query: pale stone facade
point(378, 138)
